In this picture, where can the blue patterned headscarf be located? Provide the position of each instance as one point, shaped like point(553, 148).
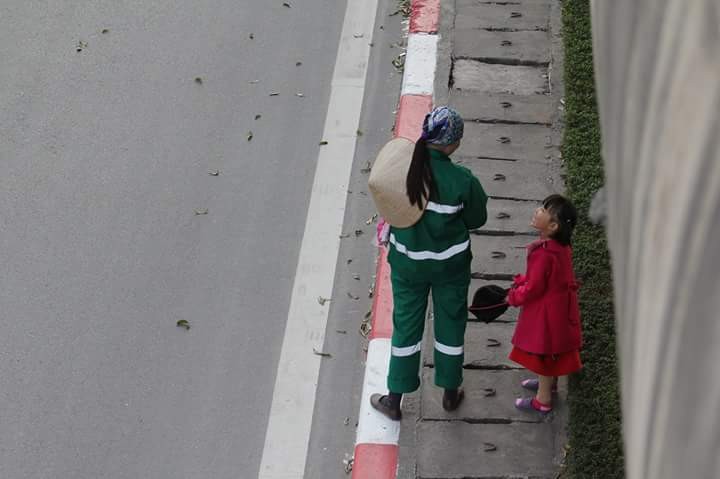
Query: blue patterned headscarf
point(443, 126)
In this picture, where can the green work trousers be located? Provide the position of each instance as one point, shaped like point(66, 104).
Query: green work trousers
point(410, 299)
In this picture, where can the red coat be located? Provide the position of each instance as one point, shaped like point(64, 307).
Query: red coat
point(549, 321)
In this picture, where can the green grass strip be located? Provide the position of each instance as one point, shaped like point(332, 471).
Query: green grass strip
point(595, 429)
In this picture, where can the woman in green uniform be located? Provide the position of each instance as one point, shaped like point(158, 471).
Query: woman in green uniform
point(433, 255)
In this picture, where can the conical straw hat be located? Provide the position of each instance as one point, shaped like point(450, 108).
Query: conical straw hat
point(387, 184)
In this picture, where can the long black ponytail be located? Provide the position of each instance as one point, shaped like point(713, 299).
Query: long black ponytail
point(420, 182)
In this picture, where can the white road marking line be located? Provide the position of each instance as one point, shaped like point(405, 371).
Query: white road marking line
point(288, 430)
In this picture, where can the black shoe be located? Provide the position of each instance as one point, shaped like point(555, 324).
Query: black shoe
point(382, 404)
point(452, 399)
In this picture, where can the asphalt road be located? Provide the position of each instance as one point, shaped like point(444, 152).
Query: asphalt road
point(112, 115)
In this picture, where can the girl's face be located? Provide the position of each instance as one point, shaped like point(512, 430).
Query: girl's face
point(544, 222)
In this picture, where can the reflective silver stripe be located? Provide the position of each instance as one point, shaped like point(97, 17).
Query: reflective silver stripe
point(406, 351)
point(443, 209)
point(449, 350)
point(448, 253)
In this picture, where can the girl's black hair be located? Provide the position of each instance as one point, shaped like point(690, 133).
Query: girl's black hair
point(564, 214)
point(420, 182)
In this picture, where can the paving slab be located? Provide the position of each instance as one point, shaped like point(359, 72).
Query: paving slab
point(514, 142)
point(479, 352)
point(489, 397)
point(519, 48)
point(499, 254)
point(475, 75)
point(473, 14)
point(455, 450)
point(510, 215)
point(502, 107)
point(529, 180)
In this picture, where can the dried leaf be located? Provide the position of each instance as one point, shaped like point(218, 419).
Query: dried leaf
point(321, 353)
point(358, 35)
point(350, 260)
point(214, 172)
point(252, 36)
point(359, 132)
point(298, 94)
point(489, 447)
point(198, 80)
point(201, 211)
point(489, 392)
point(343, 236)
point(352, 296)
point(493, 343)
point(253, 82)
point(297, 64)
point(367, 168)
point(497, 255)
point(322, 143)
point(274, 93)
point(356, 277)
point(104, 31)
point(371, 220)
point(341, 331)
point(499, 177)
point(371, 291)
point(286, 4)
point(258, 116)
point(322, 300)
point(183, 323)
point(358, 233)
point(368, 314)
point(502, 215)
point(346, 421)
point(249, 135)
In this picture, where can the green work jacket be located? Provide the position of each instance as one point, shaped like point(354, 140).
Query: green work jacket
point(439, 242)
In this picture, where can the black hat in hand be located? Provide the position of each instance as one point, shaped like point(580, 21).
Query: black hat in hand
point(489, 302)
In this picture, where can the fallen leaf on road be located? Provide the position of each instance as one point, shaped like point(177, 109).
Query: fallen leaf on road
point(321, 353)
point(489, 392)
point(297, 64)
point(346, 421)
point(359, 132)
point(183, 323)
point(214, 172)
point(356, 277)
point(322, 143)
point(252, 82)
point(358, 35)
point(341, 331)
point(368, 314)
point(348, 463)
point(358, 233)
point(257, 117)
point(352, 296)
point(489, 447)
point(201, 211)
point(286, 4)
point(493, 343)
point(322, 300)
point(80, 45)
point(367, 168)
point(249, 135)
point(104, 31)
point(274, 93)
point(350, 260)
point(371, 220)
point(252, 36)
point(343, 236)
point(198, 80)
point(299, 94)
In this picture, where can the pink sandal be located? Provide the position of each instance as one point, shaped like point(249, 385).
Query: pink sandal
point(532, 404)
point(534, 384)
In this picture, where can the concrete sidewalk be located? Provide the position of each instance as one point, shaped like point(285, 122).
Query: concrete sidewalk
point(500, 65)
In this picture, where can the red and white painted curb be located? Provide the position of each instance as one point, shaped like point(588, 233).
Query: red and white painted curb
point(376, 445)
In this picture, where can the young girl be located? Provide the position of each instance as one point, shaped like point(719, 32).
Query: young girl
point(548, 336)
